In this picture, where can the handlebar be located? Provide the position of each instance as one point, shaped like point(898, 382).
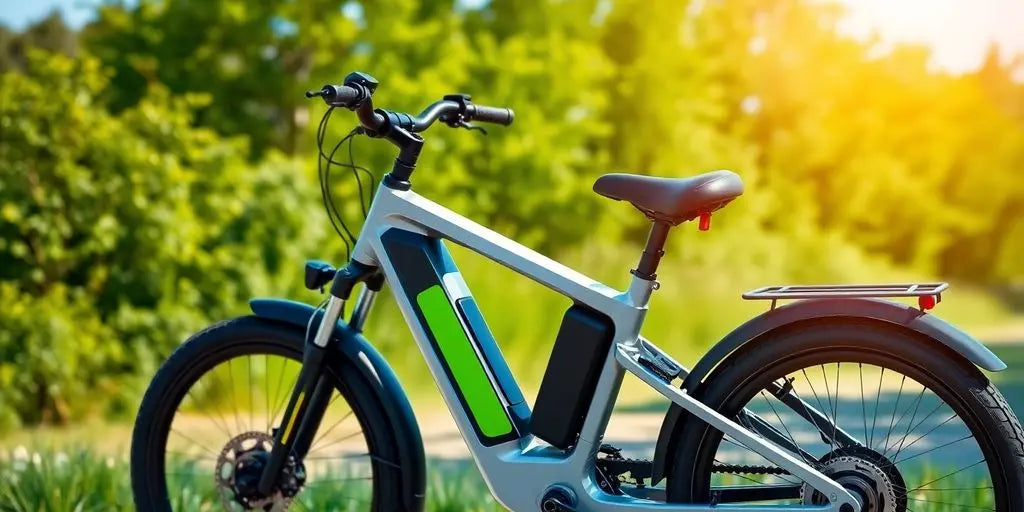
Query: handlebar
point(455, 110)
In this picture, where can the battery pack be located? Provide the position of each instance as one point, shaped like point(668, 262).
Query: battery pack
point(567, 389)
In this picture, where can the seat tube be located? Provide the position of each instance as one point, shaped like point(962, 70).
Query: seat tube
point(640, 291)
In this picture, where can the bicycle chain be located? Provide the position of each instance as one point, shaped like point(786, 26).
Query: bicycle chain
point(748, 470)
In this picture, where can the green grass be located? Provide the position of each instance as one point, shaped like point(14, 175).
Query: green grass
point(82, 481)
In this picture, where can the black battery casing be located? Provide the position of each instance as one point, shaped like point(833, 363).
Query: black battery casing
point(580, 350)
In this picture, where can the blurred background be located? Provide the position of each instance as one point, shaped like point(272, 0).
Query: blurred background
point(158, 169)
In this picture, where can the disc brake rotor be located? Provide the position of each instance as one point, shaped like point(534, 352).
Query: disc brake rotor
point(239, 451)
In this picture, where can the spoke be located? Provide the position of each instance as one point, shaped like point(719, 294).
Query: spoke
point(224, 428)
point(947, 420)
point(735, 443)
point(280, 402)
point(828, 397)
point(904, 440)
point(821, 407)
point(955, 489)
point(220, 414)
point(812, 419)
point(231, 387)
point(266, 392)
point(968, 436)
point(863, 402)
point(835, 412)
point(926, 484)
point(792, 439)
point(356, 456)
point(339, 440)
point(917, 405)
point(323, 436)
point(252, 421)
point(895, 408)
point(193, 441)
point(874, 415)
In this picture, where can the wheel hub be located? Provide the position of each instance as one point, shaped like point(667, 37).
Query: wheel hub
point(240, 466)
point(869, 476)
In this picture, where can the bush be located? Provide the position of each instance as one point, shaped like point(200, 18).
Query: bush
point(122, 233)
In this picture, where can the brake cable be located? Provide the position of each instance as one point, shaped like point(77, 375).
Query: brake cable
point(324, 163)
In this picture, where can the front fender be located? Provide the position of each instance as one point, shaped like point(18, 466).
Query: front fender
point(896, 314)
point(358, 351)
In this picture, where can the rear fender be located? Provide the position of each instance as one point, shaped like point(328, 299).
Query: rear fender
point(355, 349)
point(898, 316)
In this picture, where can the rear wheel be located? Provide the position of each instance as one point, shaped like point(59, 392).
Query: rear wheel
point(205, 429)
point(933, 433)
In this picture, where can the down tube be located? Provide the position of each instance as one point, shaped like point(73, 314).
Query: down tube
point(458, 335)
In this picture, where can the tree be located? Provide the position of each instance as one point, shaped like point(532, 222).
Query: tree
point(253, 59)
point(49, 33)
point(125, 233)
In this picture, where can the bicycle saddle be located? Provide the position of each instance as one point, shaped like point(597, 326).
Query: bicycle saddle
point(672, 199)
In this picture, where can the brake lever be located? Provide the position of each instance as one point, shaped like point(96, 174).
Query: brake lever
point(462, 124)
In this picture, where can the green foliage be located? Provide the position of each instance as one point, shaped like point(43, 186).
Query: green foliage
point(153, 183)
point(49, 33)
point(125, 232)
point(252, 58)
point(55, 356)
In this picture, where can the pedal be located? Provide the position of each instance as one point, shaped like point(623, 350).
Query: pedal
point(638, 469)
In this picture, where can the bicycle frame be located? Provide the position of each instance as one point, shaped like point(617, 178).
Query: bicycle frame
point(402, 238)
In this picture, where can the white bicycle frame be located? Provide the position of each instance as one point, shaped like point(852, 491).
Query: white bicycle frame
point(520, 471)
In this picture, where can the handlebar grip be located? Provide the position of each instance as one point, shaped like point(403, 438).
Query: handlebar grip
point(340, 95)
point(497, 115)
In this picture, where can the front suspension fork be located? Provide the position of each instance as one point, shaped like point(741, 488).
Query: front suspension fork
point(312, 393)
point(321, 397)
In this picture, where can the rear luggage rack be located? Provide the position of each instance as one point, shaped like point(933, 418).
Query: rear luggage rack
point(928, 294)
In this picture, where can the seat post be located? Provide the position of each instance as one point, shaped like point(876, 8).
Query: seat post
point(647, 268)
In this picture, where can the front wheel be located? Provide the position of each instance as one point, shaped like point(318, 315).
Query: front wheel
point(205, 428)
point(914, 427)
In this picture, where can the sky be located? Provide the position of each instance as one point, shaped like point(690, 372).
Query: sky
point(958, 31)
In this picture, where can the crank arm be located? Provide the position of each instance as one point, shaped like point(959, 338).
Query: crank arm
point(627, 357)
